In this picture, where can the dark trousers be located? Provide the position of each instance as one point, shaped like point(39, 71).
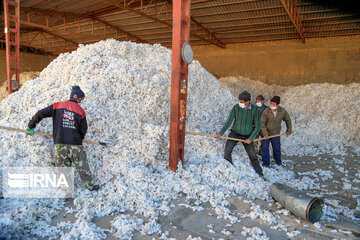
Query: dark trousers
point(250, 150)
point(256, 143)
point(276, 146)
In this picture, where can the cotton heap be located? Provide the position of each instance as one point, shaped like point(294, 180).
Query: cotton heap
point(127, 100)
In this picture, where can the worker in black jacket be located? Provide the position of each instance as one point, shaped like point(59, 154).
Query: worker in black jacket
point(69, 129)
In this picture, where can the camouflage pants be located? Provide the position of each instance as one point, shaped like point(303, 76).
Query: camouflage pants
point(66, 154)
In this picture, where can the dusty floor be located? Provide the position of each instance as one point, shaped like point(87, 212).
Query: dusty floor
point(183, 221)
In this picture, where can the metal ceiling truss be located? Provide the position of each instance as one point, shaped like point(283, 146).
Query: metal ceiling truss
point(201, 32)
point(70, 24)
point(291, 10)
point(150, 21)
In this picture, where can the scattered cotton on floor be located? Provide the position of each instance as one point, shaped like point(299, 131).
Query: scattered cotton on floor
point(127, 100)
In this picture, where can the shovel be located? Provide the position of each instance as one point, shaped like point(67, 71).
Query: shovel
point(50, 135)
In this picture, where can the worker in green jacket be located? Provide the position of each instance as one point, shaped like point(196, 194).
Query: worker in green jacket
point(271, 120)
point(242, 117)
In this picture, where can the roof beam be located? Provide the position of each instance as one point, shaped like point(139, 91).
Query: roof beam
point(63, 4)
point(254, 29)
point(57, 36)
point(156, 19)
point(330, 17)
point(259, 35)
point(65, 32)
point(26, 45)
point(49, 28)
point(238, 11)
point(332, 30)
point(291, 10)
point(207, 31)
point(43, 36)
point(41, 3)
point(332, 23)
point(263, 40)
point(222, 4)
point(83, 6)
point(82, 16)
point(334, 35)
point(199, 26)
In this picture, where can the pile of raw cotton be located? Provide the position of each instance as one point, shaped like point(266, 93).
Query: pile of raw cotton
point(325, 116)
point(126, 86)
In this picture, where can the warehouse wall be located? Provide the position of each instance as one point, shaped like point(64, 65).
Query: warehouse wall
point(28, 62)
point(334, 60)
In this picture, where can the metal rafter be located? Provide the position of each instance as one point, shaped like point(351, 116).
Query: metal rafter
point(82, 16)
point(254, 30)
point(49, 28)
point(49, 33)
point(41, 3)
point(291, 10)
point(207, 32)
point(29, 46)
point(63, 4)
point(156, 19)
point(80, 27)
point(200, 27)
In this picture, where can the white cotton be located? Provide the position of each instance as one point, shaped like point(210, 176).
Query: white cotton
point(127, 102)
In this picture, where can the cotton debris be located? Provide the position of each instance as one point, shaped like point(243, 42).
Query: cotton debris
point(126, 86)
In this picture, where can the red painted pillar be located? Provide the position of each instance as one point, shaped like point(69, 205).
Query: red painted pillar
point(12, 40)
point(179, 78)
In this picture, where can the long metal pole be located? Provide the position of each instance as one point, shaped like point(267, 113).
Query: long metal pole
point(179, 79)
point(7, 45)
point(17, 40)
point(14, 17)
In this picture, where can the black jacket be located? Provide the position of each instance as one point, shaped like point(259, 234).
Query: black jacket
point(69, 122)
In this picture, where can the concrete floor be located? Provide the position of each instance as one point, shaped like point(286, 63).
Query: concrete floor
point(182, 221)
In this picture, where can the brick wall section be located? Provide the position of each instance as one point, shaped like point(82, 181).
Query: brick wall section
point(334, 60)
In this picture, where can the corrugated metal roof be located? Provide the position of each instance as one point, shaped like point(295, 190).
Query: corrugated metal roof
point(57, 26)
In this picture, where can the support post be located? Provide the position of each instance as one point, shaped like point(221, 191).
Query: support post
point(12, 41)
point(179, 80)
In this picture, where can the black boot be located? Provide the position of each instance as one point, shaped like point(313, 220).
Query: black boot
point(94, 188)
point(257, 167)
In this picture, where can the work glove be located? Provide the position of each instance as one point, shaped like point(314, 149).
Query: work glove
point(31, 131)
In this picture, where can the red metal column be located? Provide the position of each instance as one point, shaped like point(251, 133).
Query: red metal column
point(12, 40)
point(179, 78)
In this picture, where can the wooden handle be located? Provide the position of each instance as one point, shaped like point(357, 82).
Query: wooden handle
point(24, 131)
point(42, 134)
point(273, 136)
point(235, 139)
point(209, 135)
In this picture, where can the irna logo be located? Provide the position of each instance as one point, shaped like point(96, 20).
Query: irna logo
point(36, 180)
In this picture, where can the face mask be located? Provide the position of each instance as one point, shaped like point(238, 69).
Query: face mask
point(273, 108)
point(258, 104)
point(242, 105)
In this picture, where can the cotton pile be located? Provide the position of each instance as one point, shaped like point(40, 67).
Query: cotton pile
point(127, 100)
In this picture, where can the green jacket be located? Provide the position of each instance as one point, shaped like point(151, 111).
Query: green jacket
point(243, 119)
point(271, 125)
